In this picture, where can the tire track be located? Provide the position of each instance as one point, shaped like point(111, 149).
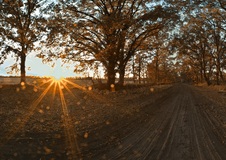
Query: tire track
point(175, 128)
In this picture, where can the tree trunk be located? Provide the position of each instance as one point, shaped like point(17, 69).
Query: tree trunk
point(139, 70)
point(22, 67)
point(218, 70)
point(111, 75)
point(201, 76)
point(157, 69)
point(134, 74)
point(208, 81)
point(121, 75)
point(217, 77)
point(206, 78)
point(222, 76)
point(156, 76)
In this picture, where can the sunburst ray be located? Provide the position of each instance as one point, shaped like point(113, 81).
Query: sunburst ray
point(69, 129)
point(18, 125)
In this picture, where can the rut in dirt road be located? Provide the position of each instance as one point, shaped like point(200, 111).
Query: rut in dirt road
point(177, 127)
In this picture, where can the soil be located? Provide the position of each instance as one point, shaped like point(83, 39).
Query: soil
point(170, 122)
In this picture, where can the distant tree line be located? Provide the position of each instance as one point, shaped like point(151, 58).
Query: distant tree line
point(160, 41)
point(201, 44)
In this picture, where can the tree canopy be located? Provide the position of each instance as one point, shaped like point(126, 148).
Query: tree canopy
point(110, 32)
point(120, 36)
point(20, 27)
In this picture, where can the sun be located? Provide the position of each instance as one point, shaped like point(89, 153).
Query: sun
point(56, 87)
point(57, 79)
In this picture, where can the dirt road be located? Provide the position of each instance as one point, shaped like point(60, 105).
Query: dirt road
point(180, 122)
point(179, 125)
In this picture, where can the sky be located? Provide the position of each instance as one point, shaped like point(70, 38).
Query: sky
point(37, 68)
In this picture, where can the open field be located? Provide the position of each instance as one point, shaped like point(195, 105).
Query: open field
point(68, 122)
point(37, 81)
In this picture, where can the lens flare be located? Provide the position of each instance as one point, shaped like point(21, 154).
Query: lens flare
point(55, 87)
point(57, 79)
